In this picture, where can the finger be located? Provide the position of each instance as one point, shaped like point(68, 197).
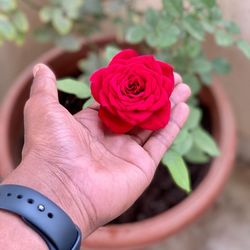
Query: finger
point(180, 94)
point(177, 78)
point(161, 140)
point(44, 82)
point(140, 135)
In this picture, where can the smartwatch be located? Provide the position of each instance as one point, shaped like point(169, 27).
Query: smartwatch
point(44, 216)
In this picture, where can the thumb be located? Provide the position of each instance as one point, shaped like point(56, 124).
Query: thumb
point(44, 82)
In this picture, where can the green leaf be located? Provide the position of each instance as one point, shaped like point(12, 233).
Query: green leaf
point(195, 155)
point(151, 17)
point(46, 14)
point(93, 7)
point(183, 134)
point(184, 146)
point(202, 65)
point(194, 118)
point(205, 142)
point(45, 34)
point(178, 170)
point(110, 52)
point(206, 78)
point(72, 8)
point(74, 87)
point(20, 38)
point(193, 48)
point(244, 46)
point(68, 42)
point(8, 5)
point(193, 83)
point(193, 101)
point(223, 38)
point(168, 37)
point(208, 26)
point(151, 40)
point(221, 65)
point(88, 102)
point(232, 27)
point(209, 3)
point(7, 30)
point(173, 7)
point(194, 28)
point(91, 63)
point(61, 23)
point(20, 21)
point(135, 34)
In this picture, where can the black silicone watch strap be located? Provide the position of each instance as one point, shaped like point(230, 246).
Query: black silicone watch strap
point(43, 215)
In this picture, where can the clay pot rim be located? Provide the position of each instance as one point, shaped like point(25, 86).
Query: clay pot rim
point(166, 223)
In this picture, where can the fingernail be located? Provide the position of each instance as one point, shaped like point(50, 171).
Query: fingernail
point(36, 69)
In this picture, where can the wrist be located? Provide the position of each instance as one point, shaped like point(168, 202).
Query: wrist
point(55, 184)
point(14, 232)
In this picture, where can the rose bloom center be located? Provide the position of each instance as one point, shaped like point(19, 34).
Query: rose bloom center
point(134, 88)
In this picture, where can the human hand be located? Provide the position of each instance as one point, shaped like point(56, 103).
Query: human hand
point(93, 174)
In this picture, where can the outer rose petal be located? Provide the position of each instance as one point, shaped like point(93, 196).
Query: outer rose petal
point(96, 80)
point(158, 119)
point(167, 69)
point(124, 55)
point(113, 122)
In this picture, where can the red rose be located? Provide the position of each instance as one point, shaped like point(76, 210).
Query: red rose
point(133, 90)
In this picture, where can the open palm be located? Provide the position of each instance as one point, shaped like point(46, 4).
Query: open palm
point(104, 172)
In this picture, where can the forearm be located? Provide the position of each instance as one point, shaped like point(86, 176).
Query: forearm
point(14, 233)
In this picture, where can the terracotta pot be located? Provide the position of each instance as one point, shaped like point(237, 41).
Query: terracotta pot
point(150, 230)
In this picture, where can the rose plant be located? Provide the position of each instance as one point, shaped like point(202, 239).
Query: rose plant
point(171, 34)
point(174, 34)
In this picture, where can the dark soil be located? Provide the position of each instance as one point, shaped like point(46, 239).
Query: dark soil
point(162, 194)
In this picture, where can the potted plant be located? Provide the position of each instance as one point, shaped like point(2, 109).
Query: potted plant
point(174, 34)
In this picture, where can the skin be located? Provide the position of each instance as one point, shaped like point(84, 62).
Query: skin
point(93, 174)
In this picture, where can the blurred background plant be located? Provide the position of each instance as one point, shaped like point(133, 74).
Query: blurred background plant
point(173, 33)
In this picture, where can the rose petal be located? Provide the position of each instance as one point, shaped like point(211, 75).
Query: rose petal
point(147, 61)
point(134, 117)
point(96, 80)
point(166, 68)
point(124, 55)
point(158, 119)
point(114, 123)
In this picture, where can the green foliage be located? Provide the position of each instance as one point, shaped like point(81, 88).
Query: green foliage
point(8, 5)
point(88, 102)
point(13, 22)
point(110, 52)
point(223, 38)
point(177, 169)
point(221, 65)
point(174, 34)
point(63, 22)
point(195, 155)
point(244, 47)
point(194, 118)
point(205, 142)
point(20, 21)
point(77, 88)
point(135, 34)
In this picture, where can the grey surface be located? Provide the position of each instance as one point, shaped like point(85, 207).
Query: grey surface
point(226, 226)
